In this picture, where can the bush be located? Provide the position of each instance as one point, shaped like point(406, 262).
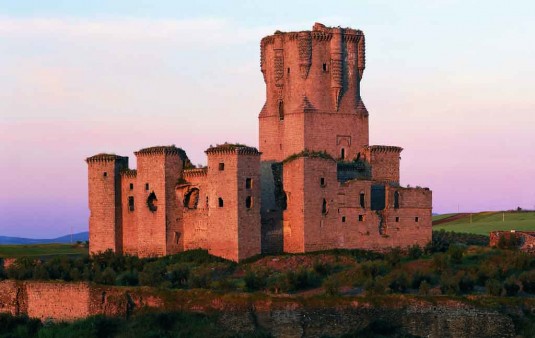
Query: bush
point(424, 288)
point(456, 253)
point(256, 279)
point(511, 286)
point(494, 287)
point(449, 285)
point(415, 251)
point(528, 281)
point(509, 241)
point(398, 281)
point(153, 274)
point(178, 274)
point(127, 278)
point(441, 262)
point(332, 286)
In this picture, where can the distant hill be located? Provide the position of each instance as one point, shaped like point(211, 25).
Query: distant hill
point(81, 236)
point(484, 222)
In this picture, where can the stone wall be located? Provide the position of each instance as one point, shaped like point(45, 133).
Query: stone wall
point(526, 239)
point(281, 317)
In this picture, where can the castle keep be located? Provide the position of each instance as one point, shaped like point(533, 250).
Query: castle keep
point(315, 184)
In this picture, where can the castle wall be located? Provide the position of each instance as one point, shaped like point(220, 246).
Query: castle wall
point(9, 292)
point(105, 219)
point(173, 226)
point(129, 217)
point(195, 221)
point(249, 201)
point(273, 199)
point(223, 184)
point(384, 161)
point(293, 216)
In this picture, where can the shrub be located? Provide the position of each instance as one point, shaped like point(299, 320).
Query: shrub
point(509, 241)
point(398, 281)
point(256, 279)
point(511, 286)
point(127, 278)
point(449, 285)
point(466, 282)
point(528, 281)
point(494, 287)
point(441, 262)
point(332, 286)
point(415, 251)
point(424, 288)
point(393, 257)
point(178, 274)
point(108, 276)
point(153, 274)
point(456, 253)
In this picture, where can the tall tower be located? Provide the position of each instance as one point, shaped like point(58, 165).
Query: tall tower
point(105, 219)
point(313, 93)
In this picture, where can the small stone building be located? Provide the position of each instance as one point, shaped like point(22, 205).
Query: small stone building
point(315, 184)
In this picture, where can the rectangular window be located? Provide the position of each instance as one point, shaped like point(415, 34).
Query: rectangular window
point(131, 186)
point(248, 183)
point(343, 219)
point(105, 174)
point(416, 219)
point(361, 218)
point(146, 186)
point(397, 219)
point(322, 181)
point(221, 166)
point(131, 203)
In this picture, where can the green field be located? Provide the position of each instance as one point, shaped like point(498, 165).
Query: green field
point(40, 250)
point(483, 222)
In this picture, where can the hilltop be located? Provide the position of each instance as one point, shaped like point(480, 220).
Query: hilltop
point(483, 222)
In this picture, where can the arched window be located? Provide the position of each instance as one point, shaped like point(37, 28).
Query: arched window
point(220, 202)
point(248, 202)
point(151, 202)
point(191, 199)
point(324, 207)
point(362, 200)
point(396, 200)
point(281, 110)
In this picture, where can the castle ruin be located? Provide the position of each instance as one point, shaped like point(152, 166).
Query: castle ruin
point(314, 184)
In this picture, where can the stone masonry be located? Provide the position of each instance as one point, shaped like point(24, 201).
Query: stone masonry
point(315, 184)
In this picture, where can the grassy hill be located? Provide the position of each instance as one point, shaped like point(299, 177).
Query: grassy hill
point(483, 222)
point(40, 250)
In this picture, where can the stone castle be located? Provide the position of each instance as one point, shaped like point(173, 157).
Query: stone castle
point(314, 184)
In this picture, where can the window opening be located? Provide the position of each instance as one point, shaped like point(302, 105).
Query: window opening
point(322, 181)
point(146, 186)
point(416, 219)
point(131, 186)
point(248, 183)
point(362, 200)
point(151, 202)
point(343, 219)
point(288, 70)
point(324, 67)
point(324, 206)
point(396, 200)
point(342, 153)
point(191, 199)
point(281, 111)
point(220, 202)
point(105, 174)
point(397, 219)
point(361, 218)
point(221, 166)
point(248, 202)
point(131, 203)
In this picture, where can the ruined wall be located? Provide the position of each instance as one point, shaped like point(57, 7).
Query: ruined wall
point(195, 217)
point(280, 317)
point(59, 301)
point(526, 239)
point(312, 92)
point(273, 202)
point(343, 222)
point(105, 218)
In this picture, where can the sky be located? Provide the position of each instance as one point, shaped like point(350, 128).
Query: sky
point(452, 82)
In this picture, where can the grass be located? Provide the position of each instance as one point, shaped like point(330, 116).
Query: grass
point(483, 222)
point(40, 250)
point(442, 216)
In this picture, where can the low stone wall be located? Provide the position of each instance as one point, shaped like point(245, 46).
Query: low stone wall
point(243, 313)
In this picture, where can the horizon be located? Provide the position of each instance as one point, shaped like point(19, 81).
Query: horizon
point(80, 79)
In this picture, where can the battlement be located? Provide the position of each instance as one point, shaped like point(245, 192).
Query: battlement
point(102, 157)
point(129, 172)
point(195, 172)
point(232, 148)
point(384, 149)
point(162, 150)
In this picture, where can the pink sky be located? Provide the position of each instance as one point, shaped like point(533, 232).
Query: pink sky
point(461, 105)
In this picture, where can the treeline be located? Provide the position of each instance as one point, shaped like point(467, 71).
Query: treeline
point(451, 263)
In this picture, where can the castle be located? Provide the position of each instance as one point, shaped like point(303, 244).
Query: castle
point(314, 184)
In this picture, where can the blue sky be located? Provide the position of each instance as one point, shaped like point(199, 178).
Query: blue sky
point(449, 81)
